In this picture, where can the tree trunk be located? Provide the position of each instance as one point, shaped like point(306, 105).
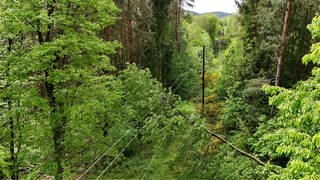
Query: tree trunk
point(58, 121)
point(242, 152)
point(58, 137)
point(57, 117)
point(177, 14)
point(13, 166)
point(283, 42)
point(131, 56)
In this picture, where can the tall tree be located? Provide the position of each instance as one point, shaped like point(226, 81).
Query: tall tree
point(283, 42)
point(294, 134)
point(161, 28)
point(133, 31)
point(177, 13)
point(62, 53)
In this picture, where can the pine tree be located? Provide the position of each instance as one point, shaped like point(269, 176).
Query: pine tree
point(163, 45)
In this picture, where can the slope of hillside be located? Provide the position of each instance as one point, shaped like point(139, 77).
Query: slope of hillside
point(217, 13)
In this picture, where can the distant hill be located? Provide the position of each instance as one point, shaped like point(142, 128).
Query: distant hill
point(216, 13)
point(192, 13)
point(219, 14)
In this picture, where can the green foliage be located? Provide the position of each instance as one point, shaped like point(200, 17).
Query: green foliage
point(56, 55)
point(242, 105)
point(163, 47)
point(221, 162)
point(295, 131)
point(4, 156)
point(232, 29)
point(196, 37)
point(233, 67)
point(186, 64)
point(157, 113)
point(63, 104)
point(209, 23)
point(262, 23)
point(234, 166)
point(185, 74)
point(243, 99)
point(315, 52)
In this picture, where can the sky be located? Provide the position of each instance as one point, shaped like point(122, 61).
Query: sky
point(202, 6)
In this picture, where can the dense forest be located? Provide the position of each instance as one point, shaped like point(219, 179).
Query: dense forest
point(143, 89)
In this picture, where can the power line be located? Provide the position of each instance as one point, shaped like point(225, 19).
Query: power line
point(153, 157)
point(137, 135)
point(105, 153)
point(121, 152)
point(133, 138)
point(113, 145)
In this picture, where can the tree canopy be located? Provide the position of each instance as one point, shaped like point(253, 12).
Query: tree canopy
point(128, 89)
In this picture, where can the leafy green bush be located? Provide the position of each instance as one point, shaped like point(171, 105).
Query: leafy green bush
point(245, 102)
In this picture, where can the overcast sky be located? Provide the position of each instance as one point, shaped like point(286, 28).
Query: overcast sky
point(202, 6)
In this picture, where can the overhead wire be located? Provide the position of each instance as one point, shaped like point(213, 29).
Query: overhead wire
point(152, 159)
point(113, 145)
point(120, 153)
point(133, 138)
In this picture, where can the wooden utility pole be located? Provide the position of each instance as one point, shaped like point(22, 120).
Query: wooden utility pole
point(283, 42)
point(203, 75)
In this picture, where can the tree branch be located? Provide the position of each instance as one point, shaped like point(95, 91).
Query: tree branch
point(236, 148)
point(228, 143)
